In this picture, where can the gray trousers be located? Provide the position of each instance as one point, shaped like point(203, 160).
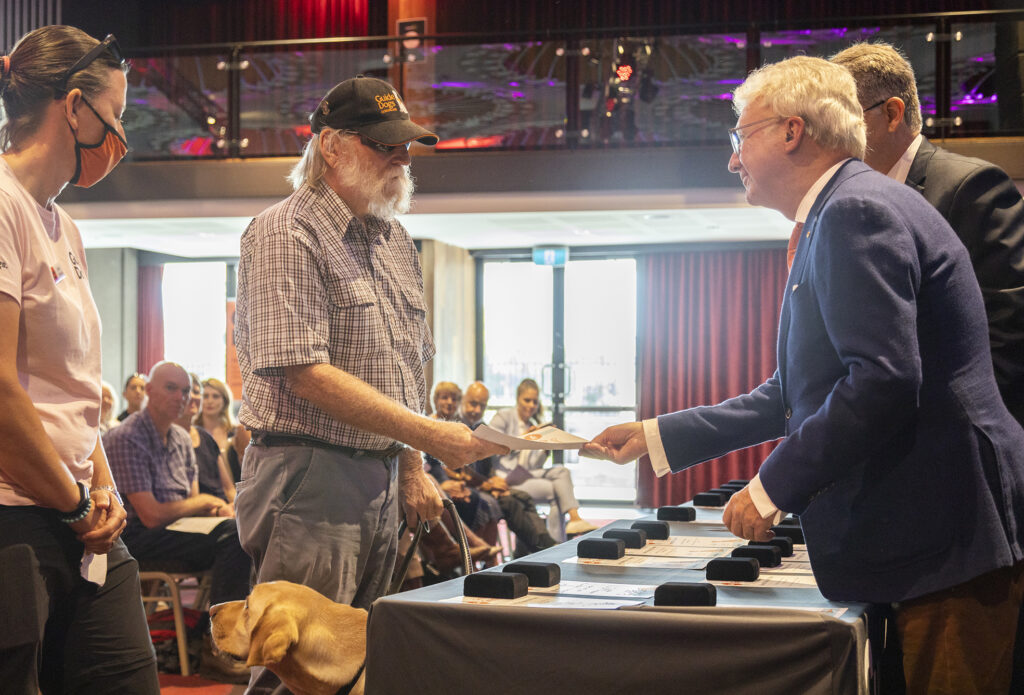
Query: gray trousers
point(552, 486)
point(318, 517)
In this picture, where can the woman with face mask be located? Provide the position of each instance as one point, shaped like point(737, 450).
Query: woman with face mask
point(63, 94)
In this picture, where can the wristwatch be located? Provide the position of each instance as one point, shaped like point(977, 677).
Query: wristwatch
point(83, 508)
point(109, 488)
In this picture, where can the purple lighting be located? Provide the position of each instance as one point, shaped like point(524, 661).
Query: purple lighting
point(513, 84)
point(459, 85)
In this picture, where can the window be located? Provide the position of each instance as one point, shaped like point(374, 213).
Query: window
point(195, 317)
point(597, 338)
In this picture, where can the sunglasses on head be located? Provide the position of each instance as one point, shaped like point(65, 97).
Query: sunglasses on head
point(108, 44)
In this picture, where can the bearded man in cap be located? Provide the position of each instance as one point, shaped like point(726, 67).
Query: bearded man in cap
point(331, 336)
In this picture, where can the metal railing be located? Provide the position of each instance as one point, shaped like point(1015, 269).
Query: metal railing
point(640, 87)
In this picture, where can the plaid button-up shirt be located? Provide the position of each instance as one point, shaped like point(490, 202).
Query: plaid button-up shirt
point(141, 462)
point(315, 285)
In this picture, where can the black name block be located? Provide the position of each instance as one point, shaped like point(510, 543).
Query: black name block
point(631, 537)
point(708, 499)
point(655, 530)
point(601, 548)
point(733, 569)
point(740, 481)
point(783, 544)
point(793, 533)
point(537, 573)
point(677, 513)
point(766, 555)
point(495, 585)
point(685, 594)
point(724, 492)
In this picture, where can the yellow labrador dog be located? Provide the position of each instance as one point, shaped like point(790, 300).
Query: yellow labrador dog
point(314, 645)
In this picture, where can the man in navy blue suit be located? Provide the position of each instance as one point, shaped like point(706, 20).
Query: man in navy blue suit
point(977, 198)
point(898, 454)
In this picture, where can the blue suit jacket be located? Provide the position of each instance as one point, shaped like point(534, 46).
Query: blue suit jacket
point(899, 455)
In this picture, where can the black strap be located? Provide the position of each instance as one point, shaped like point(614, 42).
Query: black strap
point(346, 689)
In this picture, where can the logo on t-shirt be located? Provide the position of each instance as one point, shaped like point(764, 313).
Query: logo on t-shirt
point(3, 264)
point(74, 264)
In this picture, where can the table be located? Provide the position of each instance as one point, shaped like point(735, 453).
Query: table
point(759, 640)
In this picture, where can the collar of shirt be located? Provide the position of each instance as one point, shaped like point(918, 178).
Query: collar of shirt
point(807, 202)
point(901, 168)
point(373, 227)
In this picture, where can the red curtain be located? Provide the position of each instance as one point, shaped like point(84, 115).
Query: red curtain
point(211, 21)
point(707, 332)
point(150, 317)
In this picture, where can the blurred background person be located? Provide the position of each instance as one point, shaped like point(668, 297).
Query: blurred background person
point(214, 475)
point(134, 395)
point(524, 470)
point(215, 412)
point(108, 406)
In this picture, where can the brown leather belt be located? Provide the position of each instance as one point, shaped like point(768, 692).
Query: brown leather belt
point(275, 439)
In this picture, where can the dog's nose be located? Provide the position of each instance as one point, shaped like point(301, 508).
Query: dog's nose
point(214, 609)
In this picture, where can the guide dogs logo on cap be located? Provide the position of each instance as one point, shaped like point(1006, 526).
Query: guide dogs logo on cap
point(372, 108)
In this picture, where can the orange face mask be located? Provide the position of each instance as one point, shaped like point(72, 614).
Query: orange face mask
point(93, 162)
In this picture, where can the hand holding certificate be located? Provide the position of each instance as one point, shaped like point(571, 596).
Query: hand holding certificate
point(546, 437)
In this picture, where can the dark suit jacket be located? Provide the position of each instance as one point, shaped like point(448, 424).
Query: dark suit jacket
point(985, 209)
point(899, 455)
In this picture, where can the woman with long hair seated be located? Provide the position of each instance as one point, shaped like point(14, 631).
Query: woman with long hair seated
point(525, 469)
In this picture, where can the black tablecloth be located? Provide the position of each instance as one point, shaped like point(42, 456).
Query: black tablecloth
point(754, 641)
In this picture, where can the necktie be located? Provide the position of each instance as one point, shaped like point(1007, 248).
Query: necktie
point(794, 239)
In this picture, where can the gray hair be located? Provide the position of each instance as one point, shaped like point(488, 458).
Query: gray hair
point(311, 167)
point(824, 95)
point(882, 71)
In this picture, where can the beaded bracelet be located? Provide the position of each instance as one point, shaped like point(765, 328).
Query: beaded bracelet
point(83, 508)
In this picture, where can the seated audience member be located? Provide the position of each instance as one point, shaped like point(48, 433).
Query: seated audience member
point(134, 395)
point(215, 413)
point(108, 406)
point(212, 465)
point(517, 506)
point(524, 470)
point(154, 466)
point(480, 513)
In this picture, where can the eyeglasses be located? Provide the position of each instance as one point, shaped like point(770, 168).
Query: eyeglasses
point(875, 105)
point(737, 139)
point(107, 44)
point(379, 146)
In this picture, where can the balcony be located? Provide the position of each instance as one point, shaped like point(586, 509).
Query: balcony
point(628, 120)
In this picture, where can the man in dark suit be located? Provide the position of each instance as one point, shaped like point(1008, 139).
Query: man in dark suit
point(904, 465)
point(980, 202)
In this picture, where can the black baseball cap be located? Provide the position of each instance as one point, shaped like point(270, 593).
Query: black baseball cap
point(370, 107)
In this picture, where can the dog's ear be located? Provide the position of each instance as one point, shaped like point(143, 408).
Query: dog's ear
point(276, 646)
point(271, 638)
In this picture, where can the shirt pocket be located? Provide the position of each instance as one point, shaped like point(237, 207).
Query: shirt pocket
point(357, 329)
point(414, 319)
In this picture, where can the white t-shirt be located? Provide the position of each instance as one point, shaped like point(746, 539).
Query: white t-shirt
point(42, 266)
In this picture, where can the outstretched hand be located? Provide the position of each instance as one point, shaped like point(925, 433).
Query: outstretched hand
point(619, 443)
point(456, 446)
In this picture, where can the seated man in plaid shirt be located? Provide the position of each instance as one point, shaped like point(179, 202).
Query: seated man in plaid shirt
point(155, 469)
point(332, 338)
